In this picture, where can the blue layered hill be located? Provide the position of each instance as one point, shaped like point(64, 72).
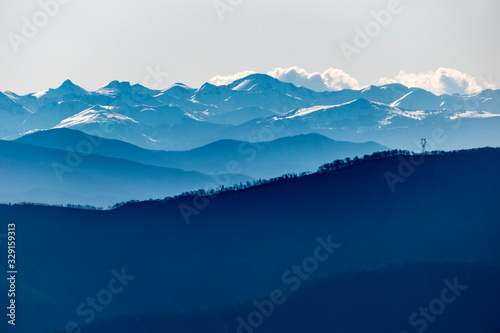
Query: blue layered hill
point(44, 175)
point(264, 159)
point(363, 243)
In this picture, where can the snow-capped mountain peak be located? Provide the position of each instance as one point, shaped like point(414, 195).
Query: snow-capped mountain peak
point(66, 89)
point(93, 115)
point(182, 117)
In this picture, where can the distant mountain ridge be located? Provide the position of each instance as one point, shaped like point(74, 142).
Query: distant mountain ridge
point(259, 160)
point(181, 117)
point(44, 175)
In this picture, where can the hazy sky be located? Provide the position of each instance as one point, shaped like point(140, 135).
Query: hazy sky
point(94, 42)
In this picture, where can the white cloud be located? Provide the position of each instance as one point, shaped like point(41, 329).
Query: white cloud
point(331, 79)
point(441, 81)
point(224, 80)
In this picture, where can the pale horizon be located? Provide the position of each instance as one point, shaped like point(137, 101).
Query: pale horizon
point(433, 81)
point(92, 43)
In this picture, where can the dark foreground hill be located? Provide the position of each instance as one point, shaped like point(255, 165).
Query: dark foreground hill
point(385, 299)
point(193, 253)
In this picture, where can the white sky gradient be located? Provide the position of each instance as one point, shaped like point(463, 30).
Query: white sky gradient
point(445, 46)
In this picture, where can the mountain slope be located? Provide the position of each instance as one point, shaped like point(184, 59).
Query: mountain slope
point(37, 174)
point(238, 244)
point(12, 115)
point(384, 297)
point(257, 159)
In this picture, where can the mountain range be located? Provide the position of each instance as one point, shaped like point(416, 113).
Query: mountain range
point(51, 176)
point(259, 160)
point(256, 108)
point(390, 253)
point(65, 166)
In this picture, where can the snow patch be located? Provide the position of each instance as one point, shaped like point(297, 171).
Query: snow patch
point(474, 114)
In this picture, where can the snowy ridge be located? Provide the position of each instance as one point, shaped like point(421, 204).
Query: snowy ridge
point(182, 117)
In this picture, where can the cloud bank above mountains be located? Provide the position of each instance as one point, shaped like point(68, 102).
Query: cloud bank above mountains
point(441, 81)
point(331, 79)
